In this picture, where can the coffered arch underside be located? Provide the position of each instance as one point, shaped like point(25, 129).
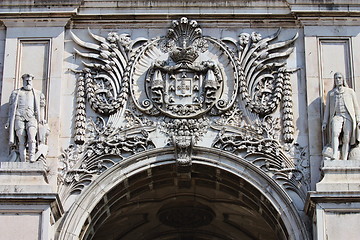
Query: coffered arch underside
point(148, 189)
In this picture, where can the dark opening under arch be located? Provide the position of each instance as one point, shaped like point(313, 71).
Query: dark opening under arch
point(206, 203)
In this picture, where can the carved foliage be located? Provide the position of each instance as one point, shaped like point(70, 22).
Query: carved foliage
point(80, 115)
point(259, 143)
point(184, 134)
point(104, 146)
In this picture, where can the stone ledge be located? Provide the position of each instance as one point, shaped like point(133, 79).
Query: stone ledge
point(323, 196)
point(22, 173)
point(342, 163)
point(315, 197)
point(35, 21)
point(29, 199)
point(22, 189)
point(340, 175)
point(20, 166)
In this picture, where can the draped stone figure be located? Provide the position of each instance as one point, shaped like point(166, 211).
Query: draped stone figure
point(26, 124)
point(341, 117)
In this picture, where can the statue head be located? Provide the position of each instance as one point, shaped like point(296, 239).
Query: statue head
point(339, 80)
point(27, 81)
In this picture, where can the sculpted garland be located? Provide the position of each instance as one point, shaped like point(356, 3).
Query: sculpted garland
point(185, 85)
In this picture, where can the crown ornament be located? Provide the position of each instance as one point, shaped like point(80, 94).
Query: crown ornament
point(184, 41)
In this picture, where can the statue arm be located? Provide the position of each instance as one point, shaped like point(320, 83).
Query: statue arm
point(356, 107)
point(12, 97)
point(12, 100)
point(42, 108)
point(327, 112)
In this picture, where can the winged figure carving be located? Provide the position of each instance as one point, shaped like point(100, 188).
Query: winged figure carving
point(104, 76)
point(264, 80)
point(104, 82)
point(261, 67)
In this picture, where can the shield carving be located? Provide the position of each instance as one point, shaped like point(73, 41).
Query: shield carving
point(184, 85)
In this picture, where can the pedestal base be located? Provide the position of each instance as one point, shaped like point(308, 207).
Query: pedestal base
point(27, 202)
point(340, 175)
point(335, 205)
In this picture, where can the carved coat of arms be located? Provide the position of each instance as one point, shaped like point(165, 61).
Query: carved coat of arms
point(183, 84)
point(183, 76)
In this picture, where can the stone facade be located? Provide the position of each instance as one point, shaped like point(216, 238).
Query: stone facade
point(179, 120)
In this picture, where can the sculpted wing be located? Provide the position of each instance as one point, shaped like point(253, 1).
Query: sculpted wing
point(104, 72)
point(264, 80)
point(104, 80)
point(262, 71)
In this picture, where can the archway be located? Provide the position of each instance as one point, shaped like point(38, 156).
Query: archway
point(221, 197)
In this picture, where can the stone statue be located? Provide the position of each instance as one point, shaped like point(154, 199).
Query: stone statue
point(343, 116)
point(26, 124)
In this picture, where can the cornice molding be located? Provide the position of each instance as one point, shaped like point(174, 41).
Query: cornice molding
point(300, 12)
point(315, 197)
point(36, 199)
point(35, 22)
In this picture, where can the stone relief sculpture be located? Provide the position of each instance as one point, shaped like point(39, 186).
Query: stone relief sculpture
point(342, 118)
point(26, 123)
point(183, 86)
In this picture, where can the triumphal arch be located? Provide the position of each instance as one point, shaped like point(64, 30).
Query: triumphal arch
point(170, 120)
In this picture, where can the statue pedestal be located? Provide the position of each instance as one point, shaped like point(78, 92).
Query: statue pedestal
point(336, 201)
point(27, 202)
point(340, 175)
